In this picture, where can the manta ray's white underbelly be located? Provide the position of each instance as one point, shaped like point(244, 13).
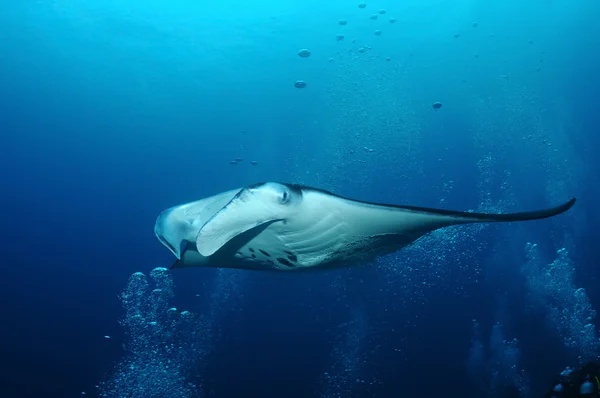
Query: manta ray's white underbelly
point(318, 247)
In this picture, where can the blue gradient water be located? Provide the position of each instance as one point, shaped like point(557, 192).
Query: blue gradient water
point(112, 111)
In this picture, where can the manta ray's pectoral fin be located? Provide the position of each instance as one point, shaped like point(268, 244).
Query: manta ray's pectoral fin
point(247, 210)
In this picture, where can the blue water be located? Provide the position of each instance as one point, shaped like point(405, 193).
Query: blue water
point(112, 111)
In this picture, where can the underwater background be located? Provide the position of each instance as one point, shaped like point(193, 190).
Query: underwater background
point(112, 111)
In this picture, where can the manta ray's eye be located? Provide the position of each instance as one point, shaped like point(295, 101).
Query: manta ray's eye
point(285, 196)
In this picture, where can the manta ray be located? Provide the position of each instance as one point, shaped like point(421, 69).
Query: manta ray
point(289, 227)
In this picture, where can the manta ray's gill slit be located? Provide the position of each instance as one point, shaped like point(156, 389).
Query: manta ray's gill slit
point(327, 242)
point(321, 234)
point(322, 225)
point(264, 252)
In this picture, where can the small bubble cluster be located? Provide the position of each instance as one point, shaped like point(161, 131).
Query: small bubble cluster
point(347, 359)
point(567, 307)
point(162, 346)
point(339, 37)
point(498, 370)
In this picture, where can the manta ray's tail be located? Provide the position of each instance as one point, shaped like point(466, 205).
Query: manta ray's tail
point(511, 217)
point(417, 221)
